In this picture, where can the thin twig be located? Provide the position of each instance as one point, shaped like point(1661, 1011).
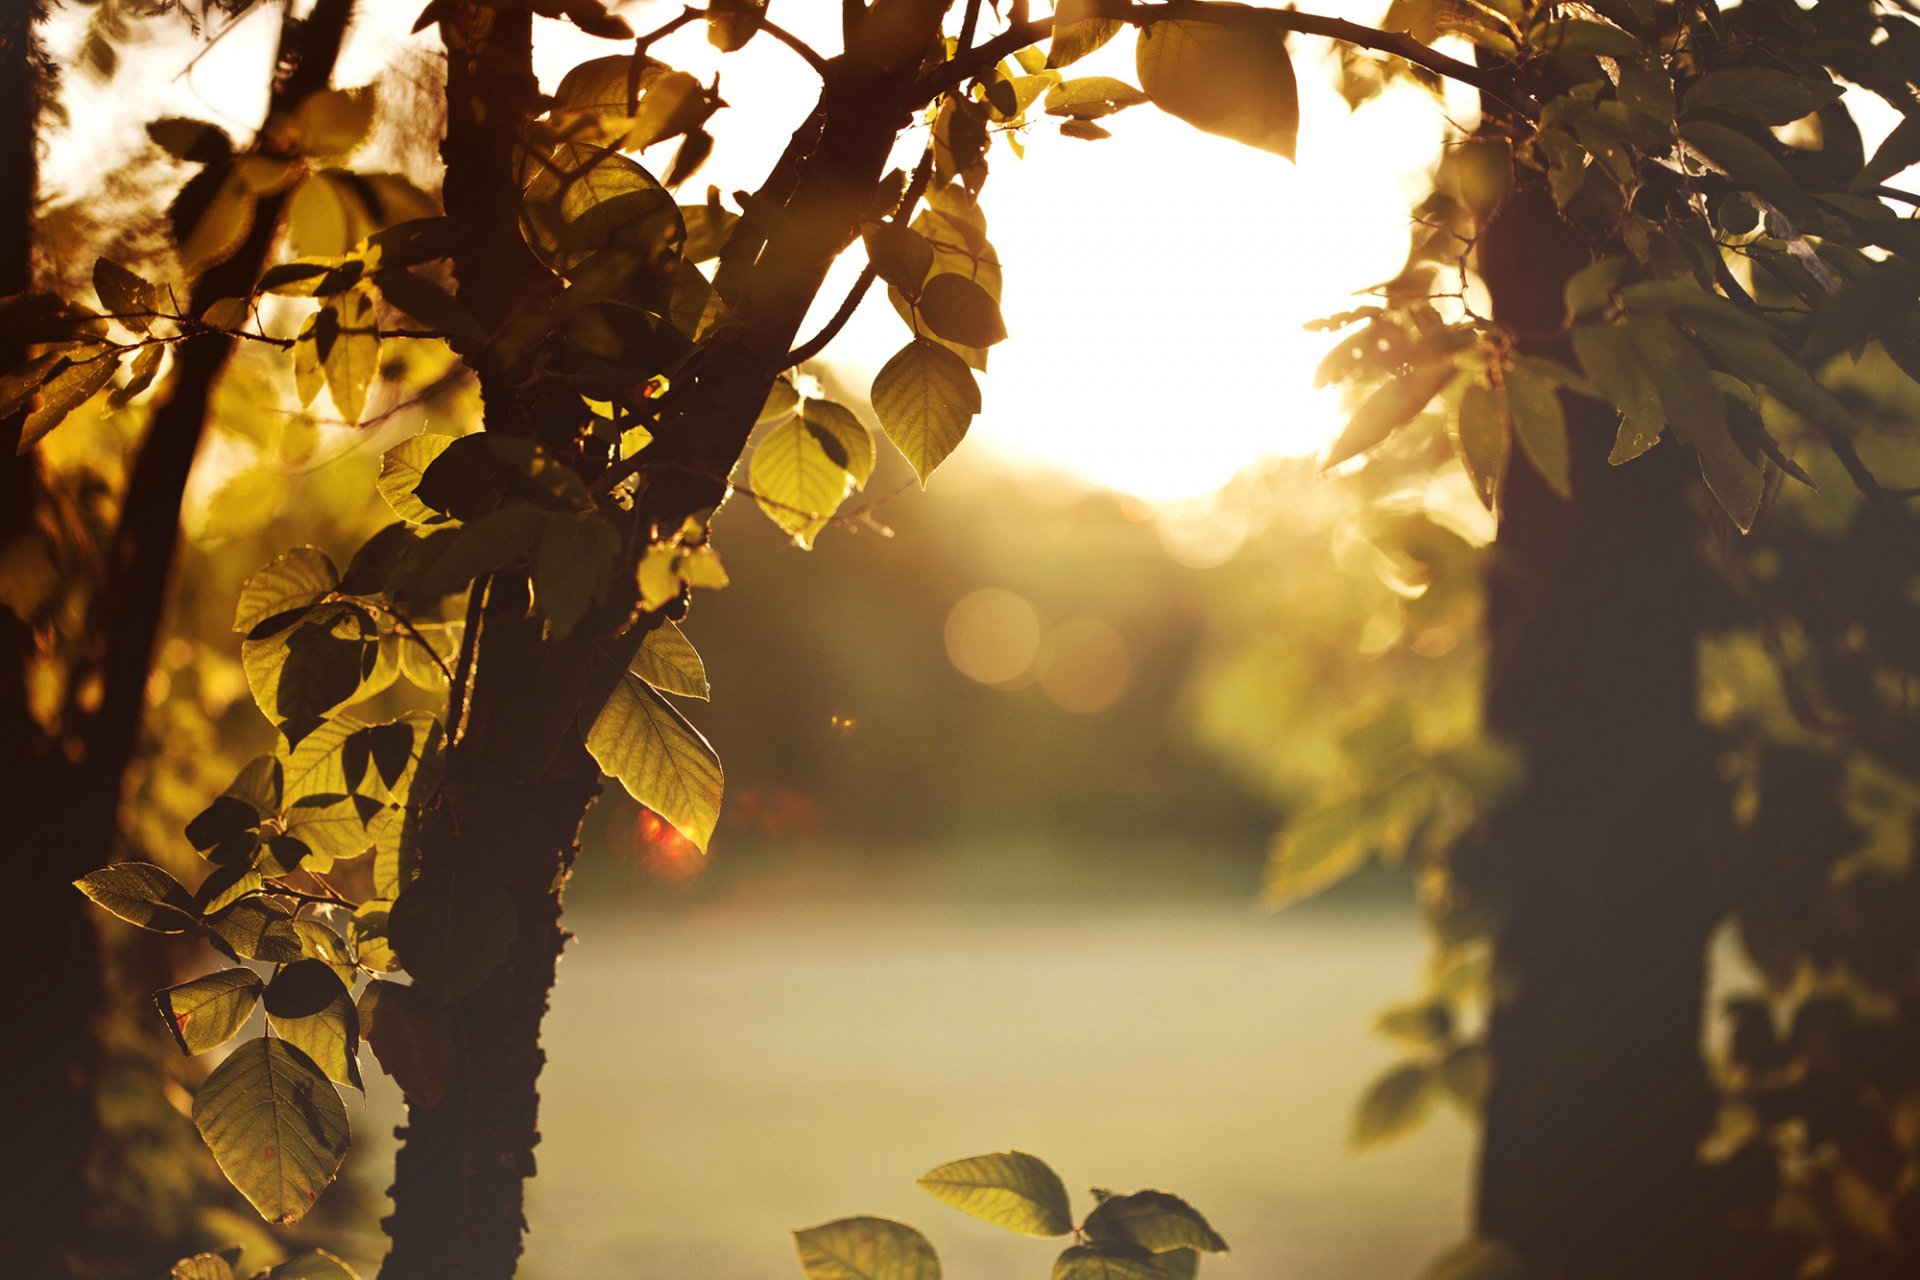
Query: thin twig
point(868, 274)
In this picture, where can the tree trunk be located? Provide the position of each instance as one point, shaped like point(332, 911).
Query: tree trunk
point(1599, 1097)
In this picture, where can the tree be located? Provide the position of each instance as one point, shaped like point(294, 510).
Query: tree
point(539, 565)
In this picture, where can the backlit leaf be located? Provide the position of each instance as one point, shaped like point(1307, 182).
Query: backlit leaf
point(1393, 1104)
point(401, 468)
point(667, 661)
point(1389, 408)
point(310, 1008)
point(958, 309)
point(662, 760)
point(865, 1249)
point(140, 893)
point(1237, 82)
point(293, 580)
point(925, 398)
point(1010, 1189)
point(1480, 440)
point(1157, 1221)
point(275, 1125)
point(796, 481)
point(207, 1012)
point(350, 356)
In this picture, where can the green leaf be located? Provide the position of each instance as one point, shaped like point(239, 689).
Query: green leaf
point(1591, 288)
point(925, 398)
point(334, 121)
point(211, 216)
point(1607, 353)
point(1749, 164)
point(796, 480)
point(846, 440)
point(140, 893)
point(1317, 852)
point(662, 760)
point(1698, 415)
point(959, 310)
point(667, 661)
point(575, 559)
point(1157, 1221)
point(1540, 425)
point(294, 580)
point(349, 350)
point(1078, 30)
point(1010, 1189)
point(1420, 1022)
point(256, 929)
point(275, 1126)
point(1389, 408)
point(1480, 440)
point(207, 1012)
point(401, 468)
point(301, 672)
point(412, 1038)
point(1464, 1074)
point(123, 294)
point(865, 1249)
point(1235, 82)
point(1393, 1104)
point(451, 930)
point(592, 200)
point(312, 1010)
point(1760, 94)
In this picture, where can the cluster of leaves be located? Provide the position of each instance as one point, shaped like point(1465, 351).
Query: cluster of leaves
point(315, 1264)
point(1749, 242)
point(1146, 1235)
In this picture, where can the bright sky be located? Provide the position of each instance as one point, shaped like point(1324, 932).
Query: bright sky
point(1156, 282)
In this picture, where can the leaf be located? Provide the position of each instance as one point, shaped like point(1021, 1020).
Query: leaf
point(1236, 82)
point(1760, 94)
point(1317, 852)
point(334, 121)
point(667, 661)
point(65, 389)
point(1480, 440)
point(1464, 1073)
point(1157, 1221)
point(662, 760)
point(591, 200)
point(865, 1249)
point(926, 398)
point(275, 1126)
point(900, 255)
point(142, 894)
point(796, 481)
point(204, 1266)
point(194, 141)
point(572, 565)
point(207, 1012)
point(211, 216)
point(1747, 163)
point(1606, 352)
point(731, 23)
point(141, 372)
point(123, 294)
point(1899, 151)
point(300, 673)
point(1393, 1104)
point(1091, 97)
point(401, 468)
point(256, 929)
point(1389, 408)
point(412, 1038)
point(452, 930)
point(1540, 425)
point(293, 580)
point(350, 352)
point(959, 310)
point(842, 435)
point(1110, 1260)
point(312, 1010)
point(1078, 31)
point(1009, 1189)
point(1694, 408)
point(314, 1264)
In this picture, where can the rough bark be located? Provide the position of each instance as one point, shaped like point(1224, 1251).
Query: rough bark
point(1599, 1096)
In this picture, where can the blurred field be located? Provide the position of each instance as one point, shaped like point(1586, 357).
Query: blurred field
point(727, 1071)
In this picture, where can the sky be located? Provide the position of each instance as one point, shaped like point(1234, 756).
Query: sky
point(1157, 281)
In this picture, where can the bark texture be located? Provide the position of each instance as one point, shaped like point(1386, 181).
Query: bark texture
point(1599, 1095)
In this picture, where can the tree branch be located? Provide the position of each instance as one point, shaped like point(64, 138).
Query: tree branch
point(1493, 81)
point(818, 343)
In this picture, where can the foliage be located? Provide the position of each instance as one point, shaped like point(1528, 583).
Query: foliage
point(1745, 241)
point(1147, 1235)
